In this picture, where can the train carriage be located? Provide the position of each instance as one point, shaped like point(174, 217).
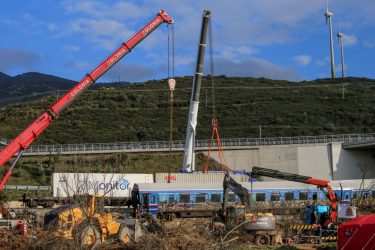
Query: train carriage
point(155, 196)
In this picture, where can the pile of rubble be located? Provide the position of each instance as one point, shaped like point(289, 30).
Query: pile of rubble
point(180, 234)
point(11, 240)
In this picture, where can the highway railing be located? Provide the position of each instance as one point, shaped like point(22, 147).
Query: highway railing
point(179, 145)
point(27, 188)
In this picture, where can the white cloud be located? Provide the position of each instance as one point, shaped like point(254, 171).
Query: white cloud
point(51, 26)
point(17, 58)
point(236, 53)
point(72, 48)
point(369, 44)
point(119, 10)
point(323, 62)
point(302, 60)
point(73, 64)
point(129, 72)
point(103, 32)
point(349, 40)
point(255, 67)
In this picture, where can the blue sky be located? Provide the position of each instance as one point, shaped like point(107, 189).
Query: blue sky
point(279, 39)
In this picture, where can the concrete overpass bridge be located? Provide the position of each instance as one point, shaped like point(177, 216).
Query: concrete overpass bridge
point(335, 157)
point(201, 145)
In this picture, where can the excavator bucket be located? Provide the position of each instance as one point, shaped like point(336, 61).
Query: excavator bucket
point(131, 230)
point(138, 232)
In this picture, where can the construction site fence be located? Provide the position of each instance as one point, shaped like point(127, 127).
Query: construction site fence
point(178, 145)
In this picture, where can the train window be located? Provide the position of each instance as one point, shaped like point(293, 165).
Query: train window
point(346, 196)
point(289, 196)
point(216, 197)
point(338, 195)
point(200, 197)
point(152, 199)
point(315, 196)
point(185, 198)
point(162, 198)
point(171, 198)
point(260, 197)
point(232, 197)
point(302, 196)
point(355, 195)
point(275, 196)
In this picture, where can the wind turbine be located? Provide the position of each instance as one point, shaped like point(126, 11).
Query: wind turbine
point(339, 37)
point(328, 16)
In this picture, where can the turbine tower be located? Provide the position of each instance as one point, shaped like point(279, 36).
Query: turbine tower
point(328, 16)
point(339, 37)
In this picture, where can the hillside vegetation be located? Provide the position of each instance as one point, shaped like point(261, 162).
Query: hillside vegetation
point(140, 112)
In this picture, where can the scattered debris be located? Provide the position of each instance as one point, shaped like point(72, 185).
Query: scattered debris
point(180, 234)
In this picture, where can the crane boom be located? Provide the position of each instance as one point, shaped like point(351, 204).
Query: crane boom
point(189, 159)
point(23, 140)
point(322, 184)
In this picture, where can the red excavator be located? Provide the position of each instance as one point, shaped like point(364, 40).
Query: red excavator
point(23, 140)
point(327, 229)
point(321, 184)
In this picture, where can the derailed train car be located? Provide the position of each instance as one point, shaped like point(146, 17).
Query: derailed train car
point(202, 188)
point(181, 199)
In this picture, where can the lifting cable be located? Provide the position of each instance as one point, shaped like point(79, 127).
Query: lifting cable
point(215, 131)
point(172, 85)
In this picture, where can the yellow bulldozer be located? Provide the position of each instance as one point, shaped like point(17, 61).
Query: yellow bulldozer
point(89, 227)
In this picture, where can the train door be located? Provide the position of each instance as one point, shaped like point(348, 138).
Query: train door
point(146, 203)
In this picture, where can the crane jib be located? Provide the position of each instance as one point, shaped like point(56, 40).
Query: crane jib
point(27, 136)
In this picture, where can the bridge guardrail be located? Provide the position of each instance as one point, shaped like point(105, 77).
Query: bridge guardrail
point(199, 144)
point(28, 188)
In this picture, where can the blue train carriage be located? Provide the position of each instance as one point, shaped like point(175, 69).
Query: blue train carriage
point(201, 199)
point(183, 199)
point(180, 199)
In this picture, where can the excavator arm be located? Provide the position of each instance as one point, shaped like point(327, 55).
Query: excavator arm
point(321, 184)
point(23, 140)
point(230, 184)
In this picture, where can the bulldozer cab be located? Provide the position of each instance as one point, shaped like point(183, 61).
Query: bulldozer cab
point(91, 203)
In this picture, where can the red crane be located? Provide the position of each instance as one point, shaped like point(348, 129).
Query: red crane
point(23, 140)
point(321, 184)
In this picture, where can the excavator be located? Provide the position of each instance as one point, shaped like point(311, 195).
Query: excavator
point(260, 228)
point(31, 133)
point(88, 226)
point(321, 184)
point(326, 230)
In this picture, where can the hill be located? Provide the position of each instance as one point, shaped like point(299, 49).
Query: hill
point(4, 78)
point(140, 112)
point(29, 86)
